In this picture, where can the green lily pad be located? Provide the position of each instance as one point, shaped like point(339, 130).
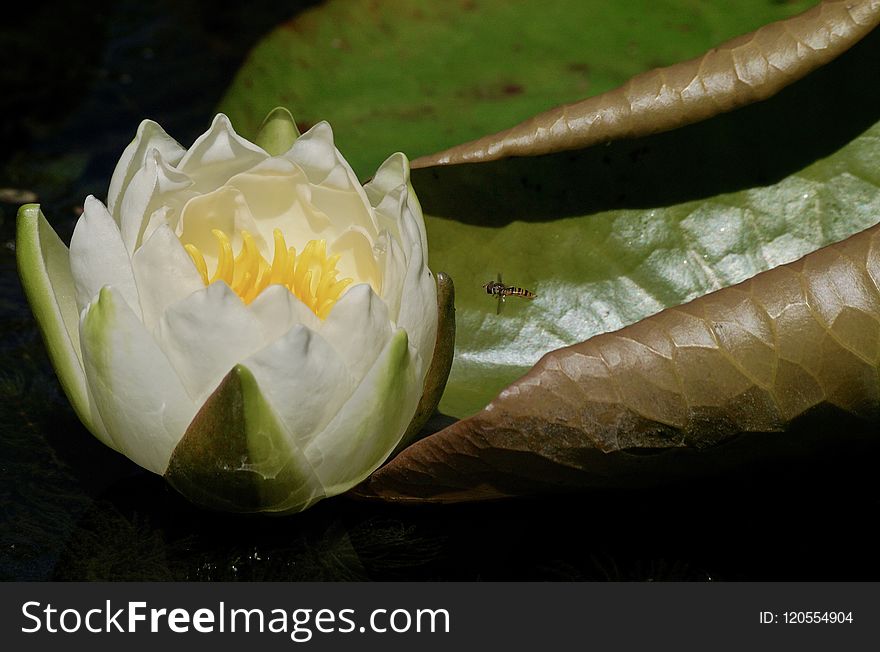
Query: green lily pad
point(424, 75)
point(604, 236)
point(610, 235)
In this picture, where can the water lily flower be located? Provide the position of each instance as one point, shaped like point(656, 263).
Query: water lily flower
point(243, 318)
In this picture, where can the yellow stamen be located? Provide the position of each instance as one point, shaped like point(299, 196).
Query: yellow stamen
point(311, 276)
point(199, 260)
point(225, 261)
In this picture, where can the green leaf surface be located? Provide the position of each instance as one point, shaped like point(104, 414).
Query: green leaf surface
point(422, 75)
point(604, 236)
point(607, 236)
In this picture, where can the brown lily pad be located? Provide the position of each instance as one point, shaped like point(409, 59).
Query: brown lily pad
point(743, 70)
point(766, 368)
point(748, 370)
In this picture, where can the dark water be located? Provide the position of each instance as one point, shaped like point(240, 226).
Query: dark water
point(72, 509)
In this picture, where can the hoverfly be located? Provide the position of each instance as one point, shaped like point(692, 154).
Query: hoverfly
point(501, 291)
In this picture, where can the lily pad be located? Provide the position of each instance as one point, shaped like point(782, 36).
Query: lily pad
point(610, 235)
point(604, 236)
point(776, 368)
point(423, 75)
point(745, 69)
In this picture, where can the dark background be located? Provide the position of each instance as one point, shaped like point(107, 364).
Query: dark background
point(74, 85)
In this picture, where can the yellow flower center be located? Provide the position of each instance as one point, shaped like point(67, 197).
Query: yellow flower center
point(311, 275)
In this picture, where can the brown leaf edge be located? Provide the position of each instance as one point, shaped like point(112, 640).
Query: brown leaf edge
point(741, 71)
point(777, 366)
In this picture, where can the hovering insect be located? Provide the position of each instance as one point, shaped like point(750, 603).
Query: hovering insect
point(501, 291)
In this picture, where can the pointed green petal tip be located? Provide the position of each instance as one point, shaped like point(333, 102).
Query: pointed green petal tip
point(278, 132)
point(235, 456)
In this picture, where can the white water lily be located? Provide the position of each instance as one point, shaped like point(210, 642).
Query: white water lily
point(223, 261)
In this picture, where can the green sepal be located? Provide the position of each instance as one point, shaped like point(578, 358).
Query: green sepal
point(44, 267)
point(236, 457)
point(278, 132)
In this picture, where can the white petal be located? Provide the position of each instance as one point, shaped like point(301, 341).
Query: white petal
point(415, 210)
point(224, 209)
point(278, 195)
point(164, 274)
point(149, 136)
point(392, 261)
point(358, 327)
point(278, 311)
point(137, 393)
point(415, 309)
point(389, 212)
point(325, 167)
point(155, 185)
point(205, 335)
point(44, 266)
point(357, 259)
point(390, 176)
point(219, 154)
point(418, 309)
point(315, 153)
point(393, 197)
point(304, 380)
point(163, 216)
point(368, 427)
point(344, 208)
point(412, 225)
point(98, 257)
